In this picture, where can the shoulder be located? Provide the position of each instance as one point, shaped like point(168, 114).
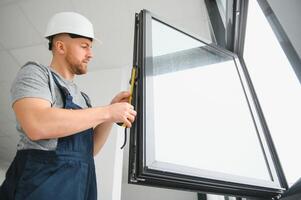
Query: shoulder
point(32, 80)
point(35, 67)
point(33, 72)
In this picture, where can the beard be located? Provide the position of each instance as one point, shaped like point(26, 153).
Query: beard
point(76, 66)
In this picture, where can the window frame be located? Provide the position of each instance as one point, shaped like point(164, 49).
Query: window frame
point(239, 8)
point(138, 171)
point(286, 45)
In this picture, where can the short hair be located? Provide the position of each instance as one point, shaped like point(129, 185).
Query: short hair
point(50, 38)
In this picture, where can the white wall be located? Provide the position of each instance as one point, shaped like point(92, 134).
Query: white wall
point(153, 193)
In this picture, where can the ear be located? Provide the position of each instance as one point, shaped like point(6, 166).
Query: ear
point(60, 47)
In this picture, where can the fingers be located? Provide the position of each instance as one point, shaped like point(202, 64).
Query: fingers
point(124, 96)
point(125, 93)
point(133, 116)
point(121, 97)
point(125, 99)
point(129, 116)
point(127, 123)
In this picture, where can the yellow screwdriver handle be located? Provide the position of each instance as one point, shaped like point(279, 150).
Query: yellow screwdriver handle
point(133, 77)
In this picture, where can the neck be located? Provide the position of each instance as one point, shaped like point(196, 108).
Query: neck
point(62, 67)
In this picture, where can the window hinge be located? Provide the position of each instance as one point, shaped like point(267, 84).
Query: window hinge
point(140, 179)
point(135, 179)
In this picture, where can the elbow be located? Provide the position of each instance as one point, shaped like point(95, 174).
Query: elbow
point(34, 137)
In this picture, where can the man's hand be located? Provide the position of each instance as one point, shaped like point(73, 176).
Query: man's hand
point(121, 97)
point(121, 111)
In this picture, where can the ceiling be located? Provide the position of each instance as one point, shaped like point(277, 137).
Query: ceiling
point(23, 23)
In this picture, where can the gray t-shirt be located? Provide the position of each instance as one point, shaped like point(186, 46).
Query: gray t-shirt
point(35, 80)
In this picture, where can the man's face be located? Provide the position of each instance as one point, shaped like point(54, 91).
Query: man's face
point(78, 54)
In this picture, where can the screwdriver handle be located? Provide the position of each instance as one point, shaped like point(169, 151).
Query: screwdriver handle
point(133, 77)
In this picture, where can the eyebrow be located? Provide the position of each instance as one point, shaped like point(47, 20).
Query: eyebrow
point(86, 43)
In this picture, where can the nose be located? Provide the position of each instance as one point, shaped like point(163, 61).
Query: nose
point(90, 53)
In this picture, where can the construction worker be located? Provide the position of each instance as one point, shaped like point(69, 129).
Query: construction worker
point(60, 131)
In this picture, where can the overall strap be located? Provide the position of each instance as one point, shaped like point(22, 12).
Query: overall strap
point(62, 88)
point(87, 99)
point(64, 91)
point(67, 96)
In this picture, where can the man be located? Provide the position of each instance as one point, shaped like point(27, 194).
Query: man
point(59, 130)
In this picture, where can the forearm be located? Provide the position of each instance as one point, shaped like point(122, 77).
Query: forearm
point(40, 121)
point(57, 122)
point(101, 133)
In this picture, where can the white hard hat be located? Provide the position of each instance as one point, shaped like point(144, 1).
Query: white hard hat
point(69, 22)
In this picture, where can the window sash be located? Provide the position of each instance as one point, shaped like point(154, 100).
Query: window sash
point(140, 171)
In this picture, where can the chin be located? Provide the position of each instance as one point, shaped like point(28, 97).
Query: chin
point(83, 69)
point(81, 72)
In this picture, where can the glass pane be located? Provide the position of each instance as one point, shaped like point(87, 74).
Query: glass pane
point(277, 87)
point(198, 119)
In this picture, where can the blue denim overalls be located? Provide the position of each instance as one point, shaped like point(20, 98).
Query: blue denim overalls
point(63, 174)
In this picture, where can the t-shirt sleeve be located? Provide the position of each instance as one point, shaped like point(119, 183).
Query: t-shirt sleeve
point(32, 80)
